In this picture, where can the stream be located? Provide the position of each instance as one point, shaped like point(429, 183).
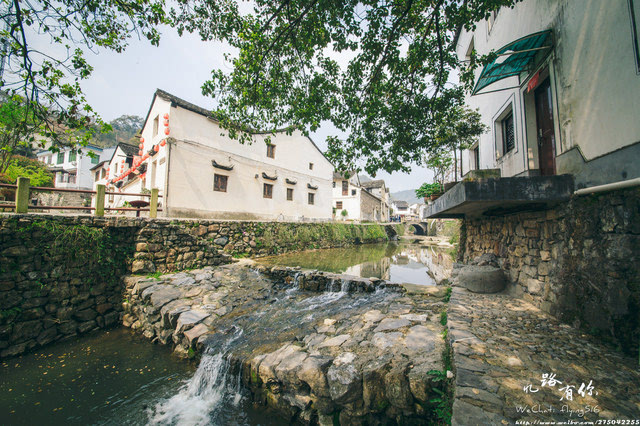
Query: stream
point(117, 377)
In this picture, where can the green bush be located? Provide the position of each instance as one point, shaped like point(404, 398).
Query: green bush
point(428, 189)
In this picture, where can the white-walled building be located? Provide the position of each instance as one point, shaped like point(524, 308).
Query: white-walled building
point(353, 201)
point(570, 100)
point(202, 172)
point(400, 209)
point(72, 169)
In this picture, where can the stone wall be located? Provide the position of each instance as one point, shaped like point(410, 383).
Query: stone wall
point(579, 261)
point(61, 275)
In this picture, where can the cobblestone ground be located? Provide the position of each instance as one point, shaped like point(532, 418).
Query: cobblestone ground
point(501, 345)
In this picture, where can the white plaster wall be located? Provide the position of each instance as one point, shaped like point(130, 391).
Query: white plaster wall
point(593, 76)
point(350, 203)
point(199, 140)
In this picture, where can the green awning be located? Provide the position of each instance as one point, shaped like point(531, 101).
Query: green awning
point(514, 58)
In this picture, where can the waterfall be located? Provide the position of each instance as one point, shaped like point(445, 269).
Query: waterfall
point(200, 400)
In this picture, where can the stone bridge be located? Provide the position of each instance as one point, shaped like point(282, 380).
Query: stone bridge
point(422, 228)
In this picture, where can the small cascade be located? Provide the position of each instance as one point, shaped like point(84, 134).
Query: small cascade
point(201, 400)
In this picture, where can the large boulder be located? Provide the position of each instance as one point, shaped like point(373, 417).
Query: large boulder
point(481, 279)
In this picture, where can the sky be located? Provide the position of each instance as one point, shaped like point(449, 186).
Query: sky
point(124, 84)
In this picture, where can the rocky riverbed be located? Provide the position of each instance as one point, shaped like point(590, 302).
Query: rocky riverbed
point(316, 347)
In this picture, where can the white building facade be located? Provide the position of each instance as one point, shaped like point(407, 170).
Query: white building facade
point(202, 172)
point(352, 201)
point(573, 107)
point(72, 169)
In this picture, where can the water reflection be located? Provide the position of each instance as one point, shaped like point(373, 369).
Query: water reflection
point(403, 262)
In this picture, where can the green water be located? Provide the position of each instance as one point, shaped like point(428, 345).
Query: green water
point(396, 262)
point(110, 377)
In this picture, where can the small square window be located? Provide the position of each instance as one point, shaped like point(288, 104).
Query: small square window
point(95, 160)
point(271, 151)
point(339, 205)
point(220, 183)
point(289, 194)
point(310, 166)
point(311, 198)
point(353, 192)
point(267, 191)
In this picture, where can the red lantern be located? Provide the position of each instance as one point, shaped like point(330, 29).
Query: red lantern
point(166, 123)
point(166, 131)
point(156, 148)
point(141, 140)
point(140, 153)
point(141, 146)
point(166, 116)
point(164, 142)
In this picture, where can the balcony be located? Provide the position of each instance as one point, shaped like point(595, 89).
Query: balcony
point(500, 196)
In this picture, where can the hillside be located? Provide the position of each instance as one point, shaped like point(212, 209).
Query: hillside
point(408, 195)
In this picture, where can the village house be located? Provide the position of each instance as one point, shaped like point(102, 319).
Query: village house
point(379, 189)
point(399, 209)
point(72, 169)
point(201, 172)
point(555, 99)
point(354, 200)
point(550, 190)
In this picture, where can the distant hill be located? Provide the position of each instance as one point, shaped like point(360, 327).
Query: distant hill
point(124, 130)
point(409, 196)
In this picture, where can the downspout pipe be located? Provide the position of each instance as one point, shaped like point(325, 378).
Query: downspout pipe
point(609, 187)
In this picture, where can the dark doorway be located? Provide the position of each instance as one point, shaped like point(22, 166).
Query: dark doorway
point(546, 135)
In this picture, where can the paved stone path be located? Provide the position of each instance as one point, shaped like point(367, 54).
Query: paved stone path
point(501, 345)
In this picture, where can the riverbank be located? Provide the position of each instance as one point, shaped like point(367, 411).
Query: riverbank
point(362, 350)
point(61, 276)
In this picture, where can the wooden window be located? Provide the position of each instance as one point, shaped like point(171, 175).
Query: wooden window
point(508, 133)
point(310, 166)
point(339, 205)
point(311, 198)
point(220, 183)
point(72, 155)
point(104, 173)
point(267, 191)
point(345, 187)
point(60, 157)
point(271, 151)
point(97, 176)
point(289, 194)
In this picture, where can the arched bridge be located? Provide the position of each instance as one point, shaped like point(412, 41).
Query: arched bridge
point(422, 228)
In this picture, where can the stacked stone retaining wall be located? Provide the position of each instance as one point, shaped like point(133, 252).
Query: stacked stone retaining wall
point(62, 275)
point(579, 261)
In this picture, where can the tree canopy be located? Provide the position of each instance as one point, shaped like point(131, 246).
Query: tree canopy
point(48, 79)
point(384, 72)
